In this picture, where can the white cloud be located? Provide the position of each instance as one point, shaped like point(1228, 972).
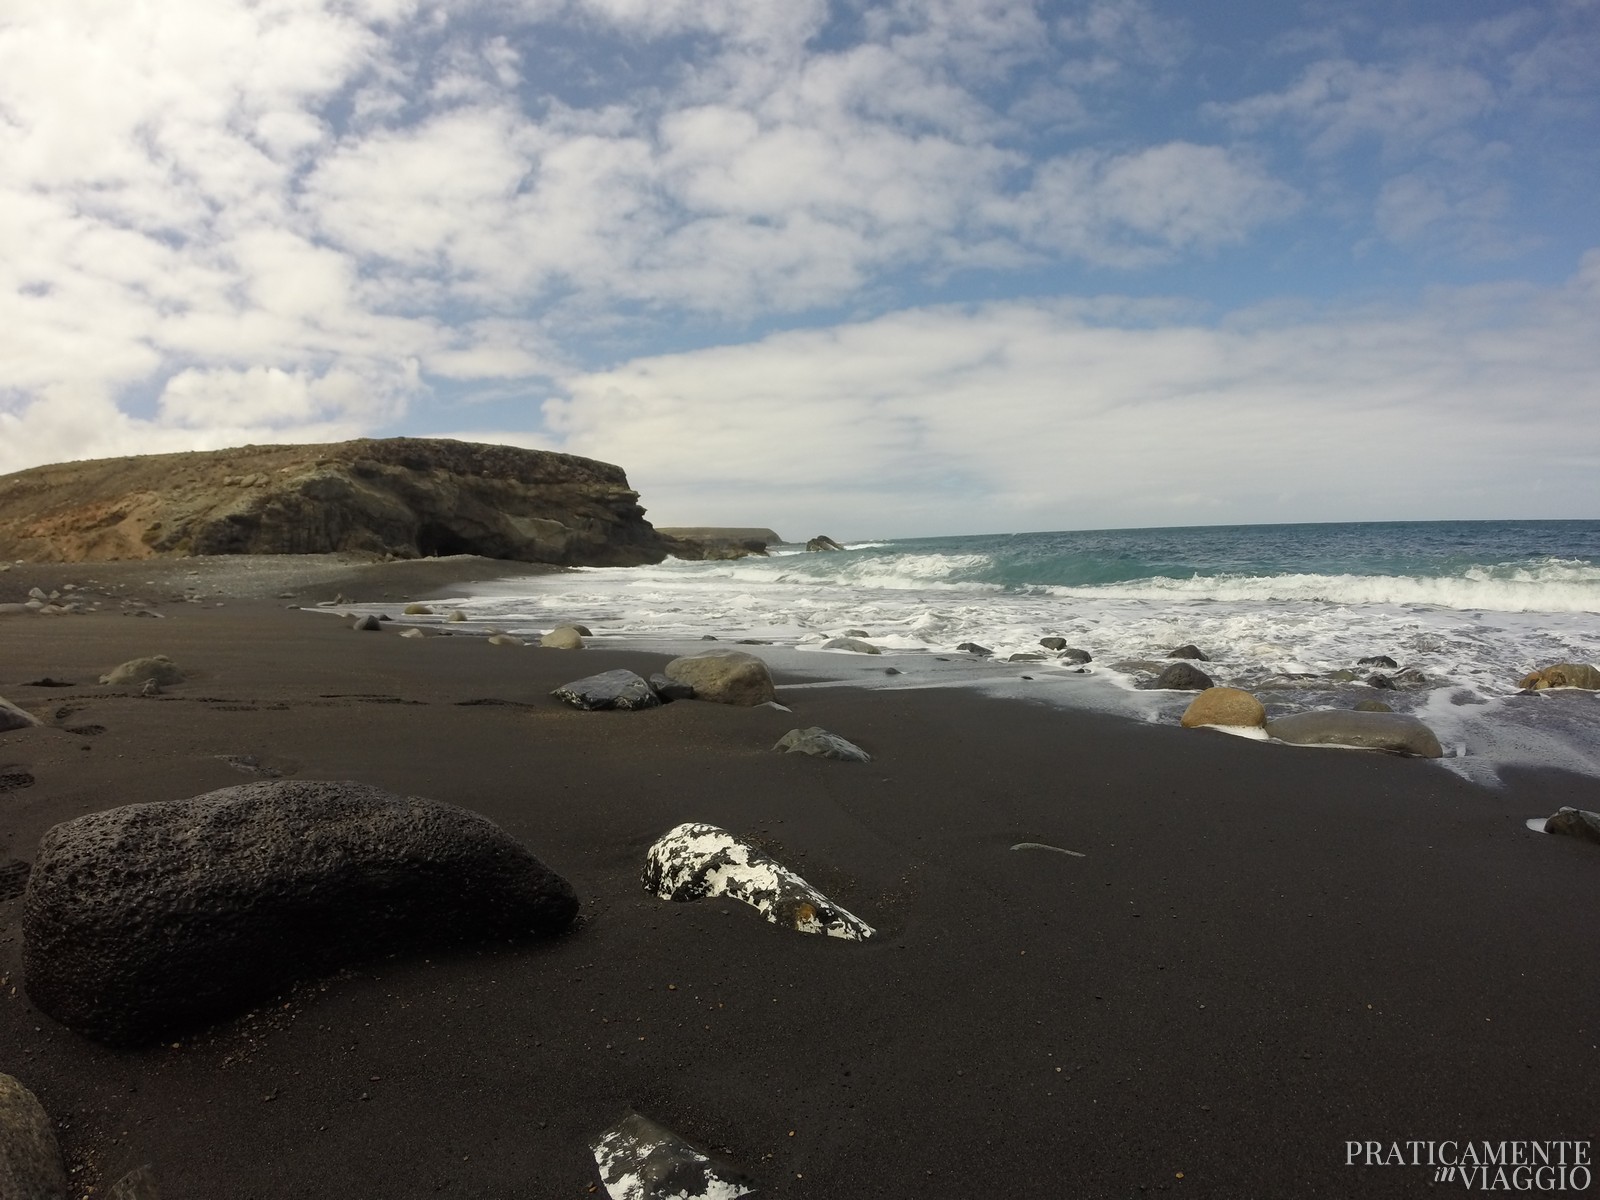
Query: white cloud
point(1055, 415)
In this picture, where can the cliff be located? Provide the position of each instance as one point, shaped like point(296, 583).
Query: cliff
point(407, 497)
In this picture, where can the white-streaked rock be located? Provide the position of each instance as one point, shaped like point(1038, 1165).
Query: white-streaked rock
point(695, 860)
point(641, 1160)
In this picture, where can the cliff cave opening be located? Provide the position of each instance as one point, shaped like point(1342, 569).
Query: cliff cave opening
point(440, 540)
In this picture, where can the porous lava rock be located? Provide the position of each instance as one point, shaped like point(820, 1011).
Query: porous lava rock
point(1224, 706)
point(406, 497)
point(147, 919)
point(724, 677)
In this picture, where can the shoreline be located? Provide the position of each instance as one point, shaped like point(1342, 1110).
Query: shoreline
point(1266, 951)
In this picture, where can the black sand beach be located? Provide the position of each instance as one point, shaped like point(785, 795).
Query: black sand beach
point(1266, 952)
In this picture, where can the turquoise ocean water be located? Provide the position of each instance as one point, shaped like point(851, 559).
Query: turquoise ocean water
point(1470, 605)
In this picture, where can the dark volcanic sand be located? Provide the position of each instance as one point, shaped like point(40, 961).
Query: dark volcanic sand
point(1267, 951)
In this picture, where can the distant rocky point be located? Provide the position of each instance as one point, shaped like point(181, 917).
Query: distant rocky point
point(400, 497)
point(699, 542)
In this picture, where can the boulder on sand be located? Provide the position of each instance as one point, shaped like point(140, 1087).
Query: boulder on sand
point(694, 860)
point(147, 919)
point(620, 688)
point(30, 1158)
point(563, 637)
point(1182, 676)
point(1224, 706)
point(640, 1160)
point(1394, 732)
point(1575, 822)
point(724, 677)
point(1563, 675)
point(12, 717)
point(136, 672)
point(854, 645)
point(820, 743)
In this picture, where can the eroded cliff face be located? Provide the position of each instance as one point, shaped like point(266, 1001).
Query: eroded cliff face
point(409, 497)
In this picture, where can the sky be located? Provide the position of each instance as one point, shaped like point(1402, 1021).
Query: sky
point(857, 268)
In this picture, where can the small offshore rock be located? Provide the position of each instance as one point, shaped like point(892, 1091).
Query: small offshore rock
point(150, 918)
point(1377, 660)
point(12, 717)
point(138, 671)
point(724, 677)
point(1563, 675)
point(418, 610)
point(1182, 676)
point(30, 1158)
point(1575, 822)
point(367, 624)
point(1073, 654)
point(1053, 643)
point(1026, 656)
point(619, 688)
point(1410, 678)
point(856, 633)
point(1396, 733)
point(1188, 650)
point(854, 645)
point(974, 648)
point(564, 637)
point(1371, 706)
point(1382, 682)
point(693, 860)
point(640, 1160)
point(1224, 706)
point(670, 689)
point(820, 743)
point(823, 542)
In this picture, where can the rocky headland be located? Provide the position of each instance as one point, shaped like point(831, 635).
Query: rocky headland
point(390, 497)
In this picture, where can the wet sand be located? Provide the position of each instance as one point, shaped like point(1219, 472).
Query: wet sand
point(1265, 952)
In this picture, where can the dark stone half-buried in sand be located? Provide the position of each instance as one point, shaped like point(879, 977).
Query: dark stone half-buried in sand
point(619, 688)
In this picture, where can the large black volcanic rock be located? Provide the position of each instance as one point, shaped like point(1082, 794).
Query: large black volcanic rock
point(143, 920)
point(409, 497)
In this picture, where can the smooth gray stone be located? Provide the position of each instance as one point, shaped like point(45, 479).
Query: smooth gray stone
point(12, 717)
point(619, 688)
point(1073, 654)
point(1182, 676)
point(819, 743)
point(974, 648)
point(30, 1158)
point(1189, 650)
point(1397, 733)
point(855, 645)
point(144, 920)
point(1053, 643)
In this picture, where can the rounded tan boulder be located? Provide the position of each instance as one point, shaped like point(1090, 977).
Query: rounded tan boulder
point(1224, 706)
point(564, 637)
point(724, 676)
point(1563, 675)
